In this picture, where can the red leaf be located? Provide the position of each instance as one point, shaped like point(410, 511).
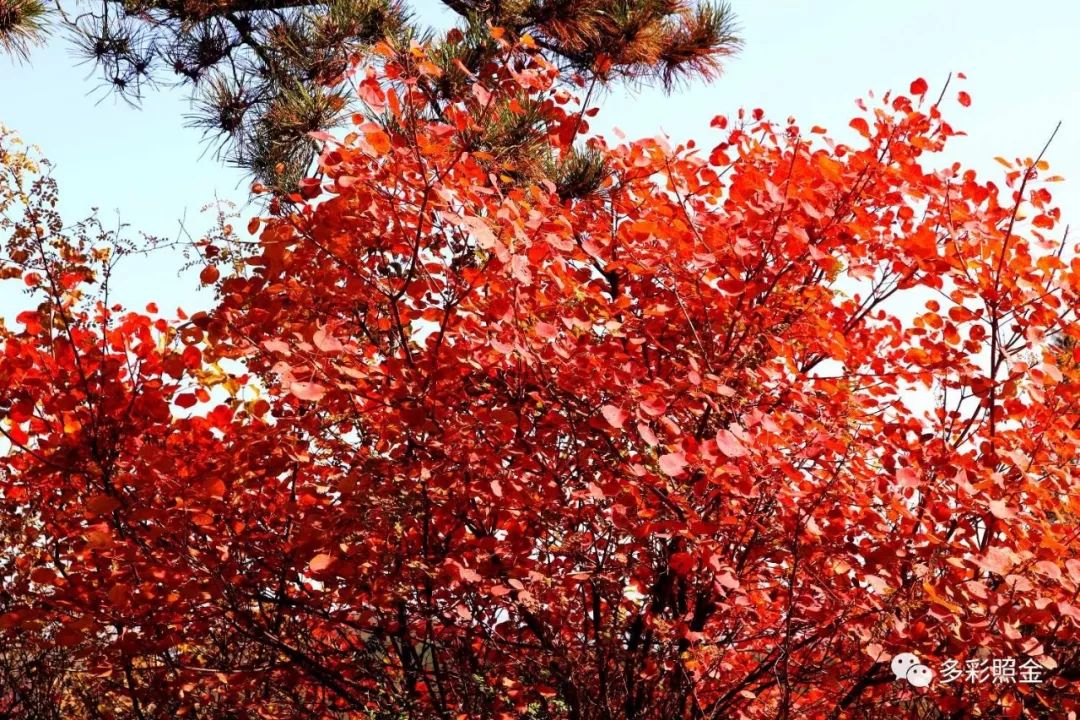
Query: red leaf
point(673, 463)
point(102, 504)
point(545, 330)
point(681, 563)
point(654, 407)
point(325, 341)
point(729, 444)
point(68, 636)
point(616, 417)
point(186, 400)
point(647, 434)
point(481, 94)
point(463, 573)
point(919, 87)
point(727, 580)
point(1043, 221)
point(43, 576)
point(906, 478)
point(997, 560)
point(307, 391)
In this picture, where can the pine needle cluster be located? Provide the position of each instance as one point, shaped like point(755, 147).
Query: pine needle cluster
point(264, 74)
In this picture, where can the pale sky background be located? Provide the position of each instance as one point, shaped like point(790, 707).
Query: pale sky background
point(810, 60)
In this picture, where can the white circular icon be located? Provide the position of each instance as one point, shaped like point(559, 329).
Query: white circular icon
point(920, 676)
point(902, 663)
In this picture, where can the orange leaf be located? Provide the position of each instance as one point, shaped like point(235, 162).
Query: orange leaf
point(379, 141)
point(214, 488)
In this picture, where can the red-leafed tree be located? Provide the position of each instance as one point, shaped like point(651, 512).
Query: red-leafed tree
point(687, 434)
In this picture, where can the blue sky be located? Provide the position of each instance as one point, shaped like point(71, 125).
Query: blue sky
point(810, 60)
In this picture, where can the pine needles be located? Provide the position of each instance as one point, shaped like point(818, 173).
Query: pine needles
point(22, 26)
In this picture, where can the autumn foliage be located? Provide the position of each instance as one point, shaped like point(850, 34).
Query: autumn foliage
point(714, 439)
